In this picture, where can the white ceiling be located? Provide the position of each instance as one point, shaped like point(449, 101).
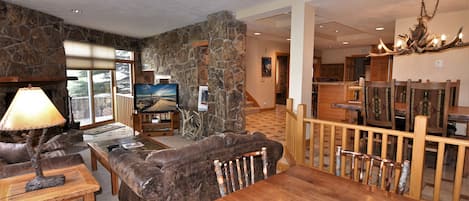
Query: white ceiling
point(355, 19)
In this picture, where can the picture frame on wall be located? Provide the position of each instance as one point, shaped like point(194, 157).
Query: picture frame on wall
point(203, 98)
point(266, 66)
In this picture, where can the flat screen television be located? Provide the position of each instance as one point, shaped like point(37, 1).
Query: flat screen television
point(155, 97)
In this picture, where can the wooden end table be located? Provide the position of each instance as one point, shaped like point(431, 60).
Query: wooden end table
point(79, 183)
point(99, 152)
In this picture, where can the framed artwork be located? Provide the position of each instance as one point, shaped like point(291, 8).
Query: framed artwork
point(266, 66)
point(203, 98)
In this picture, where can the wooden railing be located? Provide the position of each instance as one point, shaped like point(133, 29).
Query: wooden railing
point(124, 109)
point(309, 139)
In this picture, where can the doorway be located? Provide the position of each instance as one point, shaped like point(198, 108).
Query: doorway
point(282, 75)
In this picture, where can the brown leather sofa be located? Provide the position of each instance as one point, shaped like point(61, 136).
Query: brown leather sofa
point(57, 152)
point(185, 173)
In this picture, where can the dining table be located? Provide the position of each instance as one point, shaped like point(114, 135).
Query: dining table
point(305, 183)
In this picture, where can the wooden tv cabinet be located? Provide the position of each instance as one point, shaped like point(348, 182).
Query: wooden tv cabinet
point(168, 121)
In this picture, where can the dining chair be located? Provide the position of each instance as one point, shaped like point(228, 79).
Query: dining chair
point(401, 90)
point(378, 104)
point(240, 172)
point(370, 166)
point(430, 99)
point(378, 110)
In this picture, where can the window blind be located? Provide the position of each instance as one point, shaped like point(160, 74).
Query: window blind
point(89, 56)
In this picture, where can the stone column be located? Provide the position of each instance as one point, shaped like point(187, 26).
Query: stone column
point(226, 72)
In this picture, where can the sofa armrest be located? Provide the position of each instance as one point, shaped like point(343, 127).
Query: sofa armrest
point(140, 176)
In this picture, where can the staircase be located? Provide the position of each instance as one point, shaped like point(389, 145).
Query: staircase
point(251, 105)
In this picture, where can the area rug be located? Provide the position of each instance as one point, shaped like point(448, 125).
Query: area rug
point(102, 129)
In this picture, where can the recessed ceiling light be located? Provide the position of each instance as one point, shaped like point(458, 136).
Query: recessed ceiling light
point(379, 28)
point(257, 33)
point(76, 11)
point(345, 43)
point(337, 31)
point(288, 39)
point(321, 26)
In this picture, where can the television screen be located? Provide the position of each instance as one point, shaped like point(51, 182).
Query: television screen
point(155, 98)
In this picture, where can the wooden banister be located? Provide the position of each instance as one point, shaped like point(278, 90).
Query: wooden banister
point(322, 131)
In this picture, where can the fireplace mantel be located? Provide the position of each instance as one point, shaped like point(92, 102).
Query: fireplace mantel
point(16, 80)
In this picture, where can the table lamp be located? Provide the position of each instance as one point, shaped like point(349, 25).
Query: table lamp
point(31, 109)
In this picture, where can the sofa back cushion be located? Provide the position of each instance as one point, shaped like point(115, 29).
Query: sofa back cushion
point(13, 152)
point(167, 156)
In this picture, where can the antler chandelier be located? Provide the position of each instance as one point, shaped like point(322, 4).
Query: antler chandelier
point(420, 40)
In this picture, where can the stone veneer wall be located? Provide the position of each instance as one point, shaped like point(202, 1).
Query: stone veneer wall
point(222, 61)
point(31, 45)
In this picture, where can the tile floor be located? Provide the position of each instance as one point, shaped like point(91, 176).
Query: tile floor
point(269, 122)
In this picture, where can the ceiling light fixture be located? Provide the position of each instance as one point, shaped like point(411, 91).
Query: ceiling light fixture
point(420, 40)
point(257, 33)
point(321, 26)
point(379, 28)
point(76, 11)
point(345, 43)
point(337, 31)
point(289, 39)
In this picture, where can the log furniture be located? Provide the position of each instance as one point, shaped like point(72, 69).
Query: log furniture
point(303, 183)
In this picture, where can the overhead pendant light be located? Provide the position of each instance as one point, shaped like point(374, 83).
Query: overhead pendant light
point(420, 40)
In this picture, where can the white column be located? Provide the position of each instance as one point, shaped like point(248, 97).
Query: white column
point(301, 53)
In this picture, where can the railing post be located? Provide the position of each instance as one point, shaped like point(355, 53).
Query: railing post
point(300, 135)
point(418, 157)
point(289, 138)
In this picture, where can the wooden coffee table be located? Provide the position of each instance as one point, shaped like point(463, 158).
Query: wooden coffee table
point(79, 183)
point(99, 152)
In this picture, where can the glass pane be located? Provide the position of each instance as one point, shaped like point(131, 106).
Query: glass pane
point(79, 90)
point(124, 55)
point(123, 78)
point(102, 83)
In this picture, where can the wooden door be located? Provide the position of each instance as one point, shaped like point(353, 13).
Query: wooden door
point(381, 68)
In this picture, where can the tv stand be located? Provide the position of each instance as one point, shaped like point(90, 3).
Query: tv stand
point(147, 125)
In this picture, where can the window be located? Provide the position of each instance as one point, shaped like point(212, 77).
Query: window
point(91, 93)
point(124, 63)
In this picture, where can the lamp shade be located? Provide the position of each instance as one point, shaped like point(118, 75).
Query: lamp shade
point(31, 109)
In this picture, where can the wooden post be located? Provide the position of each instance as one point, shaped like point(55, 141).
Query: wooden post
point(288, 129)
point(418, 157)
point(300, 135)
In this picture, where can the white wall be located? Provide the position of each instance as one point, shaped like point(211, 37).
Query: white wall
point(262, 88)
point(455, 61)
point(337, 56)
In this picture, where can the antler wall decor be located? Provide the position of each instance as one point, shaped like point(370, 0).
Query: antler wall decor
point(420, 40)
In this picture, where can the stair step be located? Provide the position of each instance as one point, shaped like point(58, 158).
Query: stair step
point(250, 104)
point(251, 110)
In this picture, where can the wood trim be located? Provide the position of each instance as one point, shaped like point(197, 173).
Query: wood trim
point(251, 98)
point(200, 43)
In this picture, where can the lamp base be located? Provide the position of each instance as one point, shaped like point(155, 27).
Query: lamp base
point(41, 182)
